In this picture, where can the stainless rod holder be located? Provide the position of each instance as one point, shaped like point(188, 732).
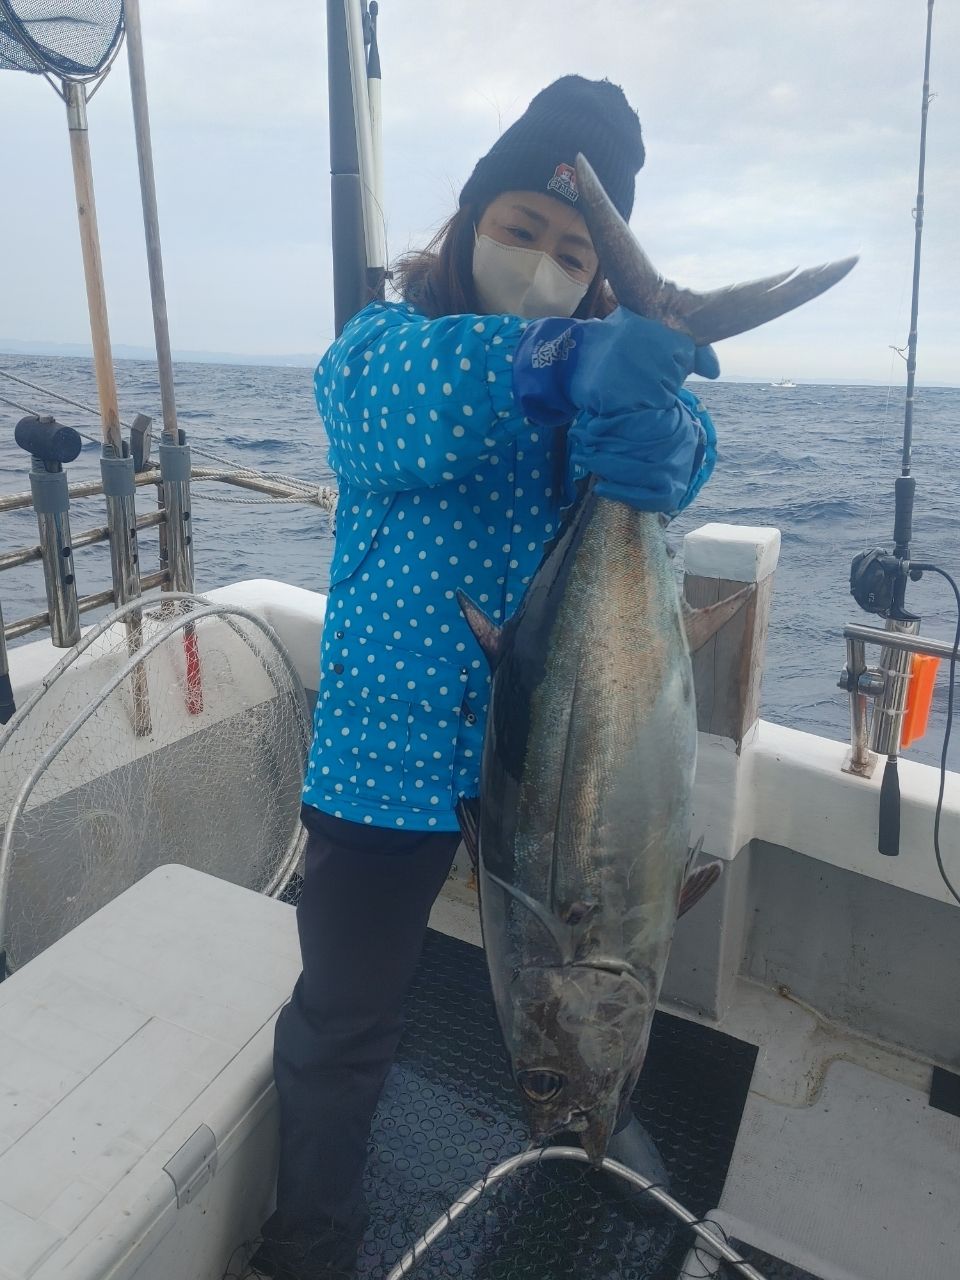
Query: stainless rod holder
point(895, 666)
point(51, 501)
point(176, 543)
point(861, 760)
point(885, 685)
point(119, 491)
point(119, 488)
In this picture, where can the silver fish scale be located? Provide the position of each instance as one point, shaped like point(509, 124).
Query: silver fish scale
point(616, 715)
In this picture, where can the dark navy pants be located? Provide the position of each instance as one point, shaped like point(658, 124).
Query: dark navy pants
point(362, 916)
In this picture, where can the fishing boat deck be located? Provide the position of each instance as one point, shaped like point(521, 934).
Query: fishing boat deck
point(841, 1166)
point(809, 1006)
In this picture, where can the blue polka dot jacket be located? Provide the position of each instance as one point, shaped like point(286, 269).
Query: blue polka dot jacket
point(443, 485)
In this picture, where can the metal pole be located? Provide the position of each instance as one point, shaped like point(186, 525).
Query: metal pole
point(89, 538)
point(360, 93)
point(151, 220)
point(908, 643)
point(374, 98)
point(177, 541)
point(346, 196)
point(861, 760)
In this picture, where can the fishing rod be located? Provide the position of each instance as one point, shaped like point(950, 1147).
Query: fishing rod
point(878, 579)
point(356, 183)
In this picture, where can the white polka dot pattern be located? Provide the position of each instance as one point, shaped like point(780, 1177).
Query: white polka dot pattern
point(443, 485)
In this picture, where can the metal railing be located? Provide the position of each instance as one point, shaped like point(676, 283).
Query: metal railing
point(272, 487)
point(884, 686)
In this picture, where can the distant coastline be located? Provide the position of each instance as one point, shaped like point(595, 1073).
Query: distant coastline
point(305, 360)
point(121, 351)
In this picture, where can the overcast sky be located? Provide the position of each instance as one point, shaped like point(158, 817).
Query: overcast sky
point(777, 134)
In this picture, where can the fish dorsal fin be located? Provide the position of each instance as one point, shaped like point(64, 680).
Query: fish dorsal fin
point(701, 624)
point(485, 631)
point(468, 815)
point(697, 884)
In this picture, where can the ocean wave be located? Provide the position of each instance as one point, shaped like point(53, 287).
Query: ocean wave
point(268, 444)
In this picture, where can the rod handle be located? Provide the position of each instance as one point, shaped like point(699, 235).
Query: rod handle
point(7, 704)
point(46, 440)
point(904, 489)
point(888, 842)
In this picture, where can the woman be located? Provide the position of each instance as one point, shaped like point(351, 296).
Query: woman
point(447, 416)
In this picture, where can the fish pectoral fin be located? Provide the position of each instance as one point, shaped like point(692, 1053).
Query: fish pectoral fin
point(702, 624)
point(485, 631)
point(697, 884)
point(468, 815)
point(565, 936)
point(692, 857)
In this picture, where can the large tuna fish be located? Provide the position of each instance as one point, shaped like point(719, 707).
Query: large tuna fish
point(581, 829)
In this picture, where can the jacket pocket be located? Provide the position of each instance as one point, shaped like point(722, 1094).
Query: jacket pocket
point(391, 717)
point(359, 518)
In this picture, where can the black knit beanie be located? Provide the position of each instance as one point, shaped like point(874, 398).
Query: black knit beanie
point(537, 153)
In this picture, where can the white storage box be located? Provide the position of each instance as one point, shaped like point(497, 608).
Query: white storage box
point(138, 1126)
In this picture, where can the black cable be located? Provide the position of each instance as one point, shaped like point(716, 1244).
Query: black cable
point(932, 568)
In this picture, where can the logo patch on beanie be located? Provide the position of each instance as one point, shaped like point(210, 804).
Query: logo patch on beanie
point(564, 182)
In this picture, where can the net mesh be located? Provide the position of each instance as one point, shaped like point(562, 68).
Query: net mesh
point(73, 39)
point(196, 756)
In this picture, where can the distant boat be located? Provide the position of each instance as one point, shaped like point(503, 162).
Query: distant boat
point(784, 383)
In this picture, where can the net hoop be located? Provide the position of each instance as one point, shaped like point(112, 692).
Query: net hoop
point(15, 35)
point(203, 608)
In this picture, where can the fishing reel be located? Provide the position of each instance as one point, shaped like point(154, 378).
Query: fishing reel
point(878, 579)
point(901, 698)
point(878, 582)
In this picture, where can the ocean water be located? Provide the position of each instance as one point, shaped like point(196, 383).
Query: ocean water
point(818, 462)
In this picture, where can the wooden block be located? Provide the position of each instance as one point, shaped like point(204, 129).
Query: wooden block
point(728, 669)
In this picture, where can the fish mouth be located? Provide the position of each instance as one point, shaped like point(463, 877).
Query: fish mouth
point(640, 978)
point(588, 1129)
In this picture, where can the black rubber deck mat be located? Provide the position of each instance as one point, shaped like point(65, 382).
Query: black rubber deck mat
point(945, 1091)
point(450, 1112)
point(772, 1268)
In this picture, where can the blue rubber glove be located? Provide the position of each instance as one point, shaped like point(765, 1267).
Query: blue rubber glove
point(707, 452)
point(562, 367)
point(649, 442)
point(651, 459)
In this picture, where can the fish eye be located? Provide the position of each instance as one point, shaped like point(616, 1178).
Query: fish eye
point(540, 1086)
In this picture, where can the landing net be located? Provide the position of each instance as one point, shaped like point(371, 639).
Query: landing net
point(72, 39)
point(190, 750)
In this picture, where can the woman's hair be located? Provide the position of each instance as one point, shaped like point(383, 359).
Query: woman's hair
point(438, 280)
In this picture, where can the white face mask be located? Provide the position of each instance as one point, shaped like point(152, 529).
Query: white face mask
point(522, 282)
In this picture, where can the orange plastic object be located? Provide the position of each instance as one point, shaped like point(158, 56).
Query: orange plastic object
point(923, 676)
